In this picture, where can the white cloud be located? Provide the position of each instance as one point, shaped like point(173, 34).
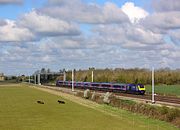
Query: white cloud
point(111, 40)
point(46, 25)
point(164, 6)
point(175, 37)
point(92, 13)
point(130, 36)
point(10, 32)
point(134, 13)
point(162, 22)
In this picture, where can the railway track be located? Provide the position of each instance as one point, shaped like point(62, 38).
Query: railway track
point(159, 98)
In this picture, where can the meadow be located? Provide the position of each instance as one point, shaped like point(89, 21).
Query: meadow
point(20, 111)
point(173, 90)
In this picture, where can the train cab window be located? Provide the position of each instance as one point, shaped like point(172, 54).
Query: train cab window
point(141, 86)
point(133, 87)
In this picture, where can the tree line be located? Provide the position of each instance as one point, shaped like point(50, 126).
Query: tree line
point(121, 75)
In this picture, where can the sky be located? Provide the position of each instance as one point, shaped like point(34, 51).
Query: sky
point(78, 34)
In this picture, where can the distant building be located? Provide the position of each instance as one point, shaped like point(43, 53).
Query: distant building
point(2, 77)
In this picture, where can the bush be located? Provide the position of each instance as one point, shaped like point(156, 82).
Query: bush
point(163, 113)
point(79, 94)
point(172, 114)
point(176, 122)
point(164, 110)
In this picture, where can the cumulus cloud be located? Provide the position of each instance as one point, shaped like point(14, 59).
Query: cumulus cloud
point(168, 5)
point(10, 32)
point(48, 26)
point(175, 37)
point(129, 36)
point(162, 22)
point(86, 12)
point(56, 33)
point(2, 22)
point(134, 13)
point(11, 1)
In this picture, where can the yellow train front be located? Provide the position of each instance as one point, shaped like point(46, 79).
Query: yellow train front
point(136, 89)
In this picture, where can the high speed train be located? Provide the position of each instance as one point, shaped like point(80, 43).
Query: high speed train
point(111, 87)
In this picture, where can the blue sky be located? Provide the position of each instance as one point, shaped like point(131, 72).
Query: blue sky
point(79, 34)
point(13, 11)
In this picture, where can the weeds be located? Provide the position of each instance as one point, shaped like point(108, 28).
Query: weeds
point(163, 113)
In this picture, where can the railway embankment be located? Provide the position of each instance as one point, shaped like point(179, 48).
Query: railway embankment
point(161, 112)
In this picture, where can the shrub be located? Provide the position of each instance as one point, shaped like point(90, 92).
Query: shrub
point(164, 110)
point(79, 94)
point(172, 114)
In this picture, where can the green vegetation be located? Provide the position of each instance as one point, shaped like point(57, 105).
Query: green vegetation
point(165, 89)
point(157, 112)
point(162, 76)
point(19, 111)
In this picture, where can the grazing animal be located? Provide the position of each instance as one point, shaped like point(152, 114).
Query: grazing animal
point(40, 102)
point(61, 102)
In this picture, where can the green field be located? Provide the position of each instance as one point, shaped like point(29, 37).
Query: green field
point(19, 111)
point(165, 89)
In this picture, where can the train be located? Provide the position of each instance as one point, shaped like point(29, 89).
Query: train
point(108, 87)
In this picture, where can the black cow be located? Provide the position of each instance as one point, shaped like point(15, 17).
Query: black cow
point(61, 102)
point(40, 102)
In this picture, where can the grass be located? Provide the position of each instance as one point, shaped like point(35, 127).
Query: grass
point(19, 111)
point(165, 89)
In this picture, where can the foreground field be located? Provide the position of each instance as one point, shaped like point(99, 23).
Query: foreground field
point(165, 89)
point(19, 111)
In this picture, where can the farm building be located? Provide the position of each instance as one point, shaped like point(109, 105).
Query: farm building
point(2, 77)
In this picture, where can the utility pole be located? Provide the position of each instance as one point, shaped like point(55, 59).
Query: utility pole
point(35, 79)
point(64, 78)
point(92, 76)
point(153, 101)
point(29, 79)
point(73, 80)
point(39, 79)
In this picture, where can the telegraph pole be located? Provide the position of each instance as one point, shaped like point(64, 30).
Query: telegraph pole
point(64, 78)
point(35, 79)
point(73, 80)
point(29, 79)
point(39, 79)
point(92, 76)
point(153, 101)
